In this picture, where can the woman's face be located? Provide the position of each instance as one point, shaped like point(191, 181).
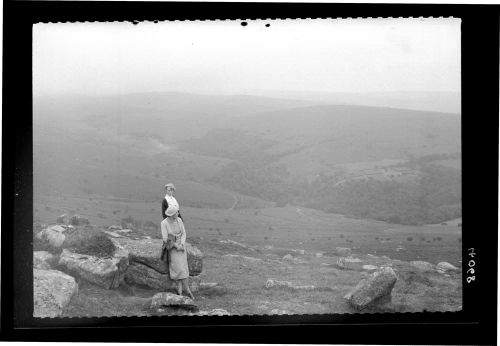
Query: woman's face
point(173, 217)
point(170, 191)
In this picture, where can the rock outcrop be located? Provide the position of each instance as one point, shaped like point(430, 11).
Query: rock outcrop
point(104, 272)
point(52, 292)
point(378, 287)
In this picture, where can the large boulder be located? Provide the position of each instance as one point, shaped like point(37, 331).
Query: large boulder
point(148, 251)
point(376, 288)
point(140, 274)
point(44, 260)
point(52, 292)
point(165, 299)
point(104, 272)
point(52, 237)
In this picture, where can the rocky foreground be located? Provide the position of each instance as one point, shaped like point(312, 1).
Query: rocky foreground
point(58, 269)
point(76, 265)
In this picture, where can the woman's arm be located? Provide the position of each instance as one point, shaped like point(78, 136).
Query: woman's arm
point(164, 230)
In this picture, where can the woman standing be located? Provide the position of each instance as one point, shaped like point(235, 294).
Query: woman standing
point(177, 255)
point(169, 200)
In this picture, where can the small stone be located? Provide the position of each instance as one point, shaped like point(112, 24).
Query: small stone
point(446, 266)
point(343, 251)
point(270, 283)
point(319, 255)
point(126, 230)
point(288, 257)
point(166, 299)
point(64, 219)
point(352, 260)
point(369, 267)
point(422, 265)
point(113, 234)
point(208, 284)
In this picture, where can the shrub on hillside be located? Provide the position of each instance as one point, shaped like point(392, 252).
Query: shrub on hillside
point(89, 242)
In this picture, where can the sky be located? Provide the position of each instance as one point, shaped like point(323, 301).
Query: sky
point(224, 57)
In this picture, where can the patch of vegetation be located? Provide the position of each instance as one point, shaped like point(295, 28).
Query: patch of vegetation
point(434, 197)
point(89, 241)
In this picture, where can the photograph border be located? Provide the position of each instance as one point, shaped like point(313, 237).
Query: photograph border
point(475, 324)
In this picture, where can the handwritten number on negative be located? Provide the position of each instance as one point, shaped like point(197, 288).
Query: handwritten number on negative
point(471, 264)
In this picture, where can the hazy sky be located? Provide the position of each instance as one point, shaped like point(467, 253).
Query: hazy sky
point(225, 57)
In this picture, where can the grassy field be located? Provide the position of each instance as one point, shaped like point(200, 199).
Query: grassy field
point(307, 229)
point(241, 274)
point(269, 234)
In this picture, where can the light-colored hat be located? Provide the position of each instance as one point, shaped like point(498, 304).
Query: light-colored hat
point(170, 185)
point(171, 210)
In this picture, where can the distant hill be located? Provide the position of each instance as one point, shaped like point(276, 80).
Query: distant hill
point(128, 146)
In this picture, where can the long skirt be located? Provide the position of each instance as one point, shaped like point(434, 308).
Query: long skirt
point(178, 265)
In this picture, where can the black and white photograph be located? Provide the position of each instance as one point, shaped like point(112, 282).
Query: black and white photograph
point(247, 167)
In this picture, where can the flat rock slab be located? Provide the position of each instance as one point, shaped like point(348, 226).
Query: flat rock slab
point(140, 274)
point(166, 299)
point(148, 251)
point(375, 288)
point(52, 292)
point(104, 272)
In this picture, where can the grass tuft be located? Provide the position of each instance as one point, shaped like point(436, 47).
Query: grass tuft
point(89, 242)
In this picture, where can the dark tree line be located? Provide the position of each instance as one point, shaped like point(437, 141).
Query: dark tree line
point(433, 197)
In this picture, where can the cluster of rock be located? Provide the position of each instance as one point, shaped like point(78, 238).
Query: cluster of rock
point(57, 271)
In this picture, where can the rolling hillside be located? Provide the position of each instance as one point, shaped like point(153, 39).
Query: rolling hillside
point(222, 149)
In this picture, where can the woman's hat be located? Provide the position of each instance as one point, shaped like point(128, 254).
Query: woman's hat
point(170, 185)
point(171, 210)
